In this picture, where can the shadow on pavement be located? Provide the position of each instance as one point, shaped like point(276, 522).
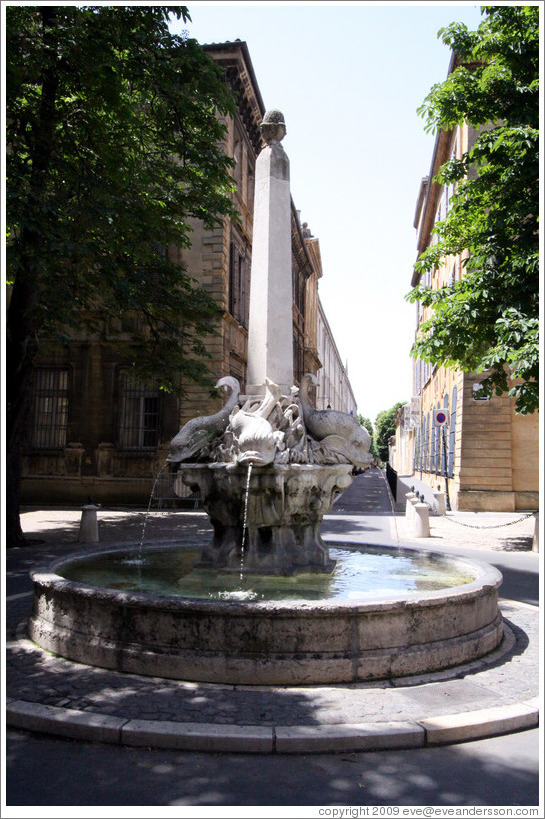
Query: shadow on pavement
point(477, 773)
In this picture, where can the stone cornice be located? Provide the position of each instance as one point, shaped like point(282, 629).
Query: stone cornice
point(234, 59)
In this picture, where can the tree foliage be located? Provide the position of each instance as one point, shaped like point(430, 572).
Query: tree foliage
point(488, 321)
point(114, 144)
point(368, 424)
point(115, 134)
point(384, 428)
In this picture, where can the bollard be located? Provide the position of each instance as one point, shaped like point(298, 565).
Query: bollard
point(413, 503)
point(441, 503)
point(421, 521)
point(88, 528)
point(408, 505)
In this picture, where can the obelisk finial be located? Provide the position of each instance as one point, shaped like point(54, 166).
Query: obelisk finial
point(273, 126)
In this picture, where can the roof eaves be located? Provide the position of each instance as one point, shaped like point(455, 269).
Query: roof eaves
point(242, 46)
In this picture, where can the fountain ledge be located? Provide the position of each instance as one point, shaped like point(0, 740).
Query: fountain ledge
point(254, 642)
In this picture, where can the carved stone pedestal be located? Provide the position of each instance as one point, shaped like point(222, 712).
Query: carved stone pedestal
point(285, 508)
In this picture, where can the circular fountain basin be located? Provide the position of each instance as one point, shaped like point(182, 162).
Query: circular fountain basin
point(382, 613)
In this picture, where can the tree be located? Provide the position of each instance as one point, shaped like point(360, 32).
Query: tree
point(367, 423)
point(488, 321)
point(385, 427)
point(115, 133)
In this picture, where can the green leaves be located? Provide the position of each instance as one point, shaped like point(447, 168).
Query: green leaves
point(384, 429)
point(488, 320)
point(497, 78)
point(115, 130)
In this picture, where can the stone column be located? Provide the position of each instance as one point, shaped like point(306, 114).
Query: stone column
point(270, 332)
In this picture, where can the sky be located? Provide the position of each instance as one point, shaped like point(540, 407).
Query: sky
point(349, 78)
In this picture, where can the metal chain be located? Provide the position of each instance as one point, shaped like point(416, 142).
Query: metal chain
point(496, 526)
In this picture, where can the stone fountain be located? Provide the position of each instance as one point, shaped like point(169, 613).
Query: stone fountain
point(266, 482)
point(300, 458)
point(268, 467)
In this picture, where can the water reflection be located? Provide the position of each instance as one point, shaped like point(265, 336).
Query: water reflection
point(362, 573)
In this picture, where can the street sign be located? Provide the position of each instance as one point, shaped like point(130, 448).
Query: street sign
point(478, 394)
point(440, 418)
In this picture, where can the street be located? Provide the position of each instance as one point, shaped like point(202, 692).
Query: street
point(45, 771)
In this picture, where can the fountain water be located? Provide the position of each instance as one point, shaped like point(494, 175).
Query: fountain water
point(268, 467)
point(148, 510)
point(245, 521)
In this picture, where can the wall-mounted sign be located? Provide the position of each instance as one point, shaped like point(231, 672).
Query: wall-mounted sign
point(478, 394)
point(440, 418)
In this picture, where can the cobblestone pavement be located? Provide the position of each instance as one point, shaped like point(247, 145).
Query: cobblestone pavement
point(34, 675)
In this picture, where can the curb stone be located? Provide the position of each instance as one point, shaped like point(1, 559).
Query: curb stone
point(66, 722)
point(372, 736)
point(479, 724)
point(443, 730)
point(193, 736)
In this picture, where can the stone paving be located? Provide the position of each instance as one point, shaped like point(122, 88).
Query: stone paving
point(484, 698)
point(37, 676)
point(501, 532)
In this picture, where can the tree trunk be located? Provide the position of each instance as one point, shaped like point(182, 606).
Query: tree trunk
point(20, 352)
point(14, 532)
point(22, 325)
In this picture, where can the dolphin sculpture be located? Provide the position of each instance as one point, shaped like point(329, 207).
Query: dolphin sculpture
point(203, 431)
point(346, 435)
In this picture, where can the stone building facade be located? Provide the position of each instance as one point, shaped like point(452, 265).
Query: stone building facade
point(488, 454)
point(334, 390)
point(96, 433)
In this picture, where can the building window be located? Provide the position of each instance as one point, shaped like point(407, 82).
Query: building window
point(237, 156)
point(299, 287)
point(251, 187)
point(452, 442)
point(426, 443)
point(436, 448)
point(298, 356)
point(140, 406)
point(49, 408)
point(444, 440)
point(429, 435)
point(298, 292)
point(239, 283)
point(417, 448)
point(433, 442)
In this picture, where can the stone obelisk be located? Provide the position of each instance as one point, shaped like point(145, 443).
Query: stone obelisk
point(270, 332)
